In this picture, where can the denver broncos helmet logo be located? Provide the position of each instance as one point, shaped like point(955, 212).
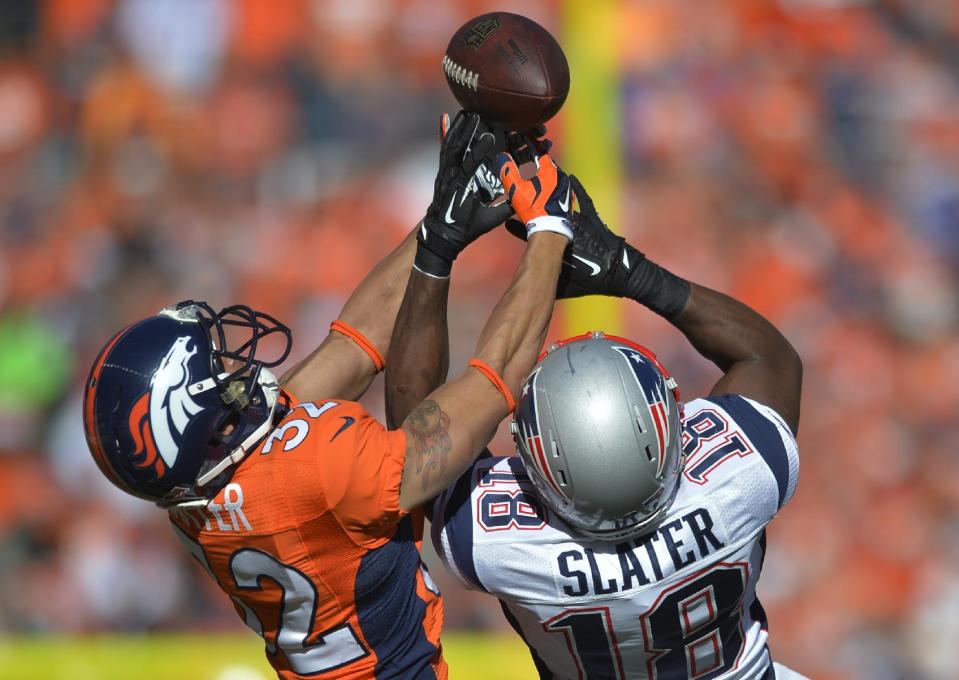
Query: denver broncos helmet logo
point(160, 416)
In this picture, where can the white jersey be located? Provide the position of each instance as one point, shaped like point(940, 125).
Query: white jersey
point(678, 602)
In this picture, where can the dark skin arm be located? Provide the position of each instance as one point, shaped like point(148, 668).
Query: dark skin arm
point(446, 431)
point(419, 356)
point(756, 359)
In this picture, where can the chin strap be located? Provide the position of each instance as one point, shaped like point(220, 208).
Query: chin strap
point(271, 391)
point(185, 505)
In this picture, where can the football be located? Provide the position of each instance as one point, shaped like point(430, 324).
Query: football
point(508, 69)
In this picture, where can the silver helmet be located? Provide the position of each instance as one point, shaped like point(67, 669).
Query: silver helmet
point(598, 428)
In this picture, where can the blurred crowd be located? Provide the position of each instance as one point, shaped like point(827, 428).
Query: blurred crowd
point(801, 155)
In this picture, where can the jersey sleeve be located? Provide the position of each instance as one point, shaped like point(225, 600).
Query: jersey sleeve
point(770, 436)
point(360, 464)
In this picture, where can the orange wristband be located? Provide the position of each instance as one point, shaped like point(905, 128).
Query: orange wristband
point(497, 381)
point(362, 342)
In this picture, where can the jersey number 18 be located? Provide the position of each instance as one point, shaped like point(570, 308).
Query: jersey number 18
point(692, 631)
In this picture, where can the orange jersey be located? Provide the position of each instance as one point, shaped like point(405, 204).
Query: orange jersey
point(309, 541)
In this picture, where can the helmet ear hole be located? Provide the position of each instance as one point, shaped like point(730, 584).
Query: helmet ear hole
point(226, 428)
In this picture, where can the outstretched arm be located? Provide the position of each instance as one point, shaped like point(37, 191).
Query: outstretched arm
point(451, 426)
point(419, 348)
point(446, 431)
point(756, 360)
point(419, 356)
point(338, 367)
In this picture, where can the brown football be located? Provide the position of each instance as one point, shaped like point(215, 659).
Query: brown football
point(508, 69)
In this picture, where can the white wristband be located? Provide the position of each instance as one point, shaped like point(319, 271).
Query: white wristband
point(426, 273)
point(560, 225)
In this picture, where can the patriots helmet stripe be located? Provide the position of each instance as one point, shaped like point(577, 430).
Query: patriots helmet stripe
point(529, 430)
point(653, 385)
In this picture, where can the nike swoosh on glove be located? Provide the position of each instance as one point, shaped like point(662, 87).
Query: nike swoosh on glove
point(542, 202)
point(598, 261)
point(456, 217)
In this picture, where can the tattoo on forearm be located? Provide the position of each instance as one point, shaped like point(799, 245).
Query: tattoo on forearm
point(430, 441)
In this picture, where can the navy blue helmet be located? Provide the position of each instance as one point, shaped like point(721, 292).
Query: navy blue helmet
point(165, 416)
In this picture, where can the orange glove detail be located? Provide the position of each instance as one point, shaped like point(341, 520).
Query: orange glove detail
point(543, 202)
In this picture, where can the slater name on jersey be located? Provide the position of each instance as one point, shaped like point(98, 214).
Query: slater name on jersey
point(641, 561)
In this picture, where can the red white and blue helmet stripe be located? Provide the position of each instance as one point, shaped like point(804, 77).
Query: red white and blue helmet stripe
point(529, 432)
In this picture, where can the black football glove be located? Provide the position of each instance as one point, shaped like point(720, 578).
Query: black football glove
point(527, 147)
point(457, 216)
point(597, 262)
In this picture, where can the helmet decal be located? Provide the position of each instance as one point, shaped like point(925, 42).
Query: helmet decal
point(601, 419)
point(160, 416)
point(160, 391)
point(654, 389)
point(529, 431)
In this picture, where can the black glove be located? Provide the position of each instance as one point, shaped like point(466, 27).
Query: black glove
point(597, 261)
point(457, 216)
point(526, 147)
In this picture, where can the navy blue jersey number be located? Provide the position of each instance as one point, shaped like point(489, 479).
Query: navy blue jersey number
point(695, 629)
point(707, 444)
point(591, 640)
point(502, 510)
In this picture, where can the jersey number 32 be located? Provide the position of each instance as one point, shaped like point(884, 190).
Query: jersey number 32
point(334, 648)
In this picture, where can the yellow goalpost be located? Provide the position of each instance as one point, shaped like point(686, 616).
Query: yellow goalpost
point(592, 145)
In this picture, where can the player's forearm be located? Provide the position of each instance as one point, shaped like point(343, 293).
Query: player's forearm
point(756, 359)
point(419, 347)
point(727, 332)
point(448, 430)
point(373, 306)
point(516, 330)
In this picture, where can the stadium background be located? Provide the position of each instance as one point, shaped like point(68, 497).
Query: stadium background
point(802, 155)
